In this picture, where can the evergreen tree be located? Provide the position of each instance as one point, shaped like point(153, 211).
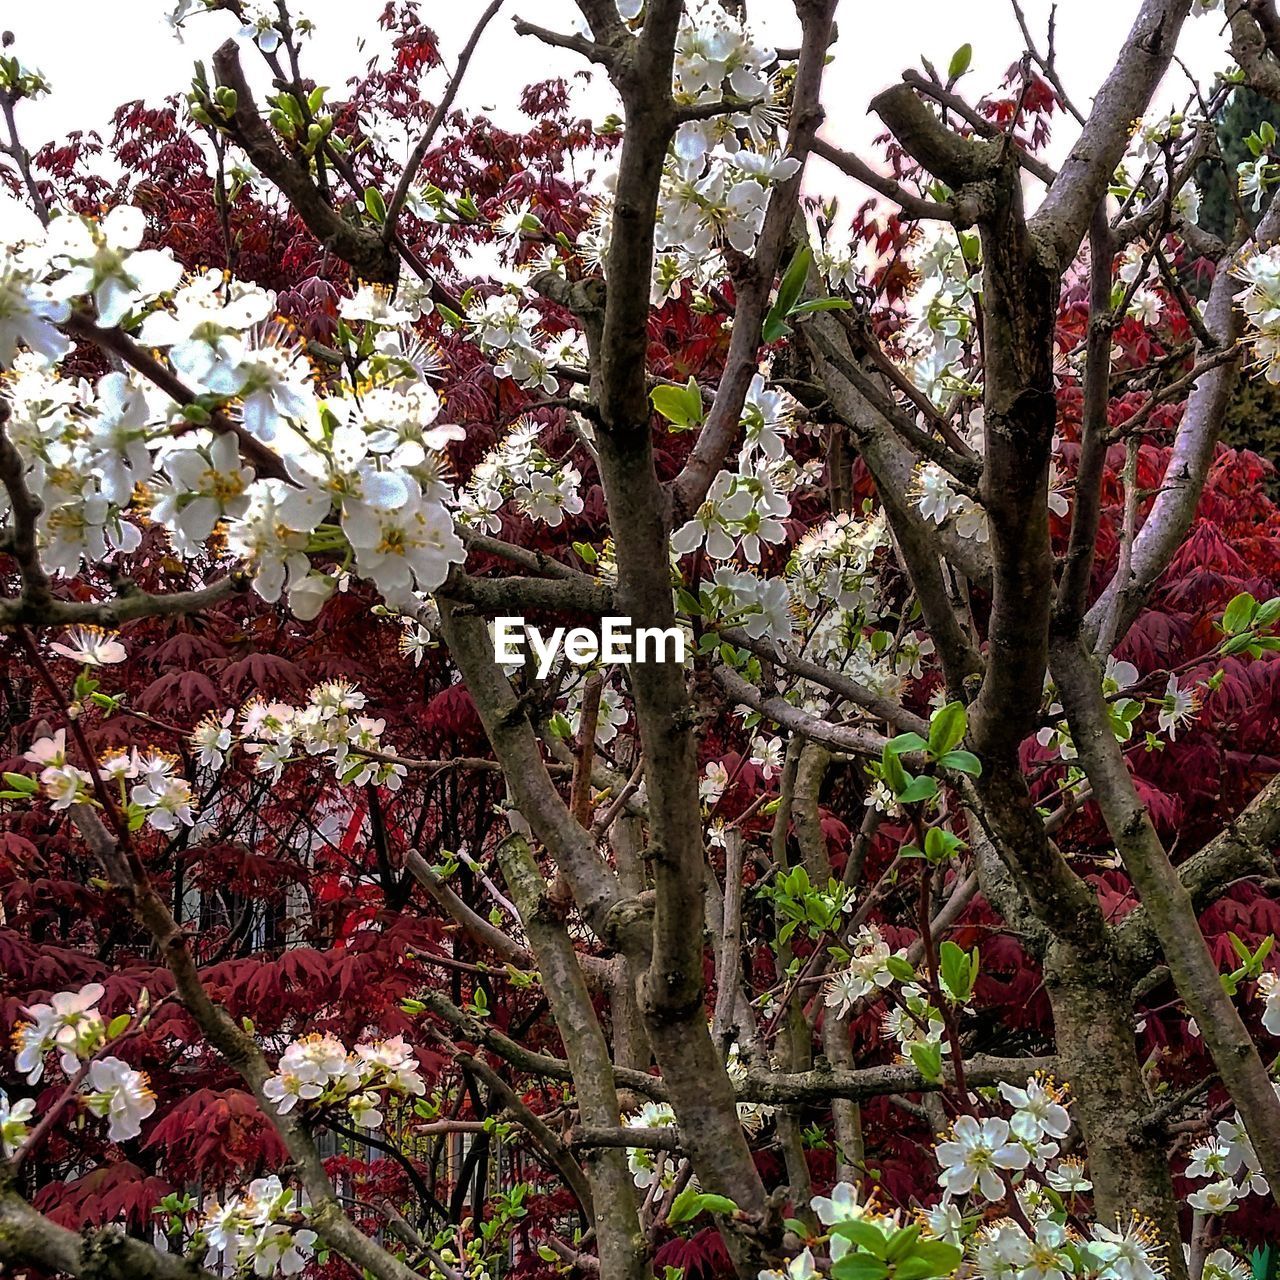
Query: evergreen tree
point(1253, 420)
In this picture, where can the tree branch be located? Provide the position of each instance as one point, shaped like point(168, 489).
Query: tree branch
point(436, 119)
point(1064, 214)
point(361, 247)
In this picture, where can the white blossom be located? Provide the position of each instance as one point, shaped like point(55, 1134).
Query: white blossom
point(121, 1094)
point(974, 1155)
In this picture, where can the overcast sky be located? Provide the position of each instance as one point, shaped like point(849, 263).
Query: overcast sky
point(98, 55)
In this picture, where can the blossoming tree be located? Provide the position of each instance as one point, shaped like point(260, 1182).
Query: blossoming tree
point(919, 922)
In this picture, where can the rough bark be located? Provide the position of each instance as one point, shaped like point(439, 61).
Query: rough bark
point(622, 1247)
point(28, 1238)
point(1098, 1057)
point(1169, 908)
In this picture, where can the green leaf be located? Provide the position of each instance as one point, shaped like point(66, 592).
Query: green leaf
point(927, 1058)
point(1239, 614)
point(900, 1243)
point(895, 776)
point(959, 970)
point(960, 61)
point(947, 728)
point(940, 845)
point(376, 205)
point(717, 1204)
point(118, 1025)
point(900, 968)
point(688, 603)
point(962, 762)
point(1268, 613)
point(789, 289)
point(918, 790)
point(928, 1258)
point(22, 782)
point(1237, 644)
point(866, 1235)
point(905, 742)
point(859, 1266)
point(691, 1202)
point(681, 406)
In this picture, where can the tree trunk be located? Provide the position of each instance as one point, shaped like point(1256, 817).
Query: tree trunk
point(1129, 1166)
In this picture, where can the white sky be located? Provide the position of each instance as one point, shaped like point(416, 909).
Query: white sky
point(96, 58)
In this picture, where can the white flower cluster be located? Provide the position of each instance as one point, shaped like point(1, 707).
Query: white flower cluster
point(1044, 1242)
point(71, 1026)
point(517, 470)
point(1145, 304)
point(613, 709)
point(866, 971)
point(828, 596)
point(1229, 1165)
point(941, 334)
point(504, 328)
point(978, 1151)
point(330, 723)
point(833, 576)
point(1178, 706)
point(15, 1123)
point(367, 477)
point(745, 508)
point(851, 265)
point(1127, 1252)
point(657, 1168)
point(651, 1168)
point(935, 497)
point(751, 1115)
point(259, 1230)
point(914, 1021)
point(159, 794)
point(84, 450)
point(715, 185)
point(760, 606)
point(317, 1070)
point(1260, 299)
point(834, 564)
point(981, 1153)
point(842, 1208)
